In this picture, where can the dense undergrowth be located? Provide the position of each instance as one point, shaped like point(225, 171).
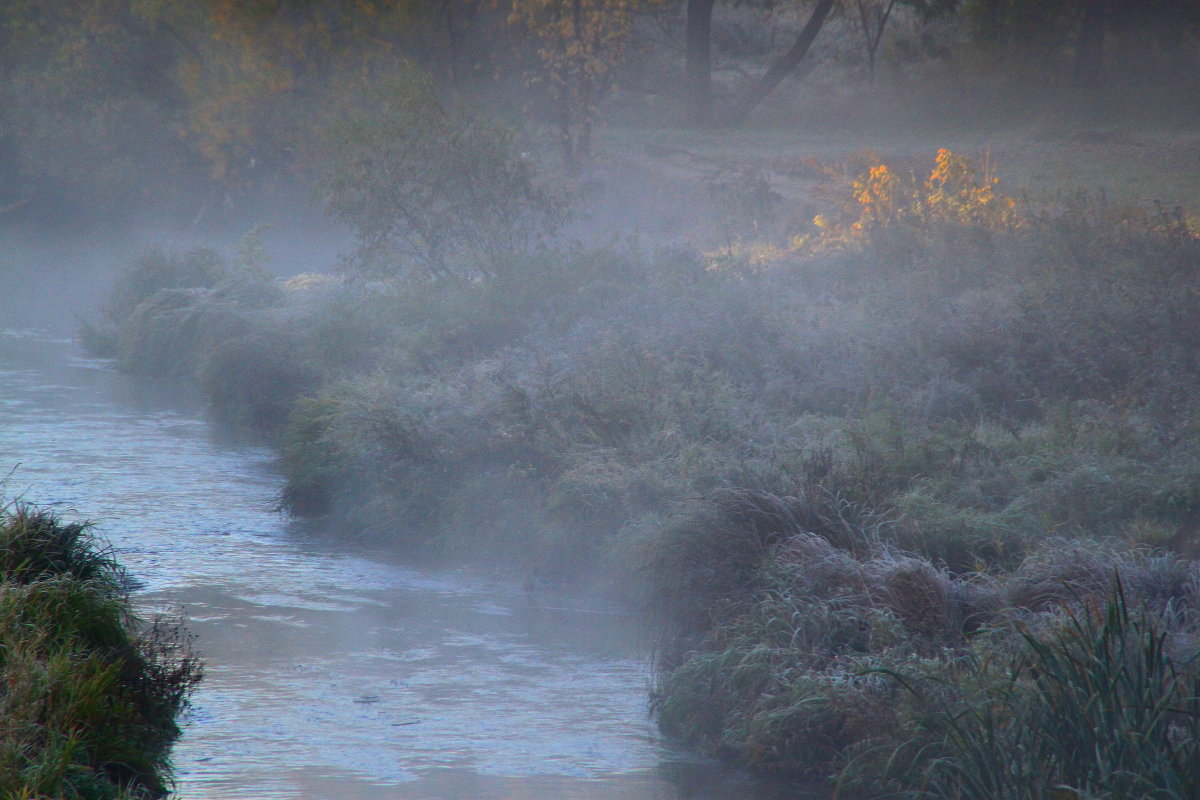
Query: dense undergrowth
point(884, 476)
point(90, 692)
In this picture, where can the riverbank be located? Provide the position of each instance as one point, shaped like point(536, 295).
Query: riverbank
point(92, 692)
point(833, 459)
point(476, 676)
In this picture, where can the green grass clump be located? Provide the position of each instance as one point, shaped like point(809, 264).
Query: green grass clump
point(91, 694)
point(157, 269)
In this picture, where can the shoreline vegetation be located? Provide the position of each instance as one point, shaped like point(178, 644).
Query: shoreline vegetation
point(92, 693)
point(913, 492)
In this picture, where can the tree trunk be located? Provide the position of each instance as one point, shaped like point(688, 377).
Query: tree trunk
point(453, 47)
point(872, 29)
point(1089, 54)
point(783, 67)
point(699, 61)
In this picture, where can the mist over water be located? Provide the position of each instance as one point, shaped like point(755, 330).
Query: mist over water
point(330, 673)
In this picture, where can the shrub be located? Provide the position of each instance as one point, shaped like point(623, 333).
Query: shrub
point(153, 271)
point(430, 190)
point(169, 334)
point(252, 381)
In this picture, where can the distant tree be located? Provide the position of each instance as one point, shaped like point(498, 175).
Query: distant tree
point(698, 38)
point(112, 101)
point(80, 84)
point(454, 18)
point(698, 35)
point(430, 190)
point(579, 43)
point(255, 70)
point(784, 65)
point(1089, 52)
point(873, 16)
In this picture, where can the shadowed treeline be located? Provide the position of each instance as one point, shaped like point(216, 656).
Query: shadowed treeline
point(205, 112)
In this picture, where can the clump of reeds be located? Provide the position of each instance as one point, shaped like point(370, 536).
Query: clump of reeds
point(1102, 700)
point(155, 270)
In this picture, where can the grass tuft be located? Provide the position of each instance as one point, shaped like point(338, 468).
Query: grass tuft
point(92, 693)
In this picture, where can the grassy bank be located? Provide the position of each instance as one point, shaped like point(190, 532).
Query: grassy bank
point(882, 473)
point(91, 692)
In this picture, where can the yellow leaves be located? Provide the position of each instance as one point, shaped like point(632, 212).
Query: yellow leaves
point(875, 192)
point(250, 59)
point(954, 193)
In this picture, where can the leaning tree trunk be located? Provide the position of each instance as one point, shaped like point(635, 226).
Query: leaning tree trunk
point(699, 61)
point(783, 67)
point(1089, 55)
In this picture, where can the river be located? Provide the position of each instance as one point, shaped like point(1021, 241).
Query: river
point(333, 672)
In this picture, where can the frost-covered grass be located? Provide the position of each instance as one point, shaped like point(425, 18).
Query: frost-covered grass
point(868, 473)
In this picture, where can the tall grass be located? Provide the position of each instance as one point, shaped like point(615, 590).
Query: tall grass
point(1101, 702)
point(92, 693)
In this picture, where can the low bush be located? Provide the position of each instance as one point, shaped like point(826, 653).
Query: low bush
point(253, 380)
point(154, 271)
point(157, 269)
point(167, 334)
